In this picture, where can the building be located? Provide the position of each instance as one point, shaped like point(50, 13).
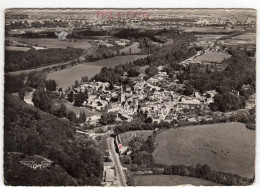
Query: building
point(28, 98)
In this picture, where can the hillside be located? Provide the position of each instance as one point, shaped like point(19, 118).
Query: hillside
point(32, 132)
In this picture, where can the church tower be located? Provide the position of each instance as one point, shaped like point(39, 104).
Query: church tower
point(122, 99)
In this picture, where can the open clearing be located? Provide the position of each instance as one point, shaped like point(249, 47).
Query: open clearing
point(16, 48)
point(53, 42)
point(170, 180)
point(67, 77)
point(226, 147)
point(134, 48)
point(78, 110)
point(128, 136)
point(247, 36)
point(213, 57)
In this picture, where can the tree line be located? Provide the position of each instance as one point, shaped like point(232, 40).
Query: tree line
point(205, 172)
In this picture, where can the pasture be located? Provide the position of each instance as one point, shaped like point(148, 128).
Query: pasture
point(225, 147)
point(16, 48)
point(209, 37)
point(128, 136)
point(170, 180)
point(247, 36)
point(213, 57)
point(134, 48)
point(67, 77)
point(53, 42)
point(78, 110)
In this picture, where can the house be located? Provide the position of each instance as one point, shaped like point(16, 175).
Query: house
point(28, 98)
point(113, 107)
point(108, 165)
point(110, 176)
point(120, 43)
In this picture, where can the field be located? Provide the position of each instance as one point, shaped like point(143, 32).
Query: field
point(126, 137)
point(170, 180)
point(34, 30)
point(248, 36)
point(134, 48)
point(77, 110)
point(209, 37)
point(226, 147)
point(205, 29)
point(67, 77)
point(213, 57)
point(15, 48)
point(53, 42)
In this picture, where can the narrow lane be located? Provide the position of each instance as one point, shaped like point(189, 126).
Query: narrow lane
point(115, 158)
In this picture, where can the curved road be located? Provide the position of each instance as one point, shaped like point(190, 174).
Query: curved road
point(115, 158)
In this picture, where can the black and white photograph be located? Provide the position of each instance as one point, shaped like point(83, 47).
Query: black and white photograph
point(129, 96)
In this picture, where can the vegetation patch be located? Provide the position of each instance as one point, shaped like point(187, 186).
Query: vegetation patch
point(217, 145)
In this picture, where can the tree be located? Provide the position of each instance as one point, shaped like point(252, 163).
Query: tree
point(76, 83)
point(151, 71)
point(71, 97)
point(71, 116)
point(50, 85)
point(63, 110)
point(86, 94)
point(36, 79)
point(189, 90)
point(79, 99)
point(84, 78)
point(84, 118)
point(108, 118)
point(133, 72)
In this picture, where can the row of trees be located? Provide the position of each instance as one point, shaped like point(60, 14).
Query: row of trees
point(204, 171)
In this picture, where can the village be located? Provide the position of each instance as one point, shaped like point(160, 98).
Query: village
point(155, 98)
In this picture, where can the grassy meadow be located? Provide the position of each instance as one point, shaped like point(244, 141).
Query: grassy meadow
point(225, 147)
point(67, 77)
point(213, 57)
point(170, 180)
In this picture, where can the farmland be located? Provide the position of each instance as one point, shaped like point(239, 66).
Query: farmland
point(15, 48)
point(209, 37)
point(78, 110)
point(213, 57)
point(169, 180)
point(247, 36)
point(67, 77)
point(134, 48)
point(217, 145)
point(53, 42)
point(128, 136)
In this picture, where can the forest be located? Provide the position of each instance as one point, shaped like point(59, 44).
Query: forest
point(19, 60)
point(30, 131)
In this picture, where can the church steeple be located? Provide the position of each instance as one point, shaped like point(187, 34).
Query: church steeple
point(122, 99)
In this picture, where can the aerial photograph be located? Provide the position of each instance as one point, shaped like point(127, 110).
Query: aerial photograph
point(129, 97)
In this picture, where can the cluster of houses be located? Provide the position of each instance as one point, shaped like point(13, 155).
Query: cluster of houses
point(148, 97)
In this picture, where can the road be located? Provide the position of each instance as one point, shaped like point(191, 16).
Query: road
point(118, 166)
